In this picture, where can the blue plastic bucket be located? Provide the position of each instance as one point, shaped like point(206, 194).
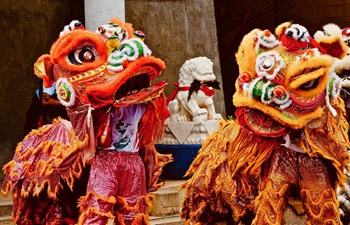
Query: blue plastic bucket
point(183, 157)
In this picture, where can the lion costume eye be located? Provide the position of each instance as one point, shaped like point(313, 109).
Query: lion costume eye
point(312, 84)
point(80, 56)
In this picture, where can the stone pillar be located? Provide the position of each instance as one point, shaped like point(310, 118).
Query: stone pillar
point(97, 13)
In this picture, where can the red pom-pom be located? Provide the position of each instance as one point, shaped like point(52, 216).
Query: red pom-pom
point(279, 91)
point(245, 77)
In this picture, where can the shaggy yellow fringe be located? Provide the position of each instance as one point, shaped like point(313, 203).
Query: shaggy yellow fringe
point(319, 209)
point(232, 157)
point(243, 152)
point(273, 200)
point(330, 141)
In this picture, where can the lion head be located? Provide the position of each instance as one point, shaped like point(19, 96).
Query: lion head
point(281, 87)
point(199, 69)
point(112, 66)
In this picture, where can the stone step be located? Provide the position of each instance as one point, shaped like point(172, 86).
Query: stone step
point(168, 199)
point(6, 220)
point(166, 203)
point(154, 220)
point(5, 205)
point(5, 210)
point(172, 185)
point(166, 220)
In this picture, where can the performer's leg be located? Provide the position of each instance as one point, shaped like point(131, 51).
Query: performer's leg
point(23, 211)
point(98, 203)
point(317, 193)
point(132, 198)
point(275, 186)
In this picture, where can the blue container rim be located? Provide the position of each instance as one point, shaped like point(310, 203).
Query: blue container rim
point(179, 146)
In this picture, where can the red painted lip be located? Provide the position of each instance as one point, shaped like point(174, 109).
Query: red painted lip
point(259, 123)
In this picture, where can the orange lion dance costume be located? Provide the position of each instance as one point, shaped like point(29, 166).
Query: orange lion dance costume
point(105, 155)
point(288, 144)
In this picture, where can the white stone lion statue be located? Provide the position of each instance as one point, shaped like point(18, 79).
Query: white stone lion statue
point(192, 100)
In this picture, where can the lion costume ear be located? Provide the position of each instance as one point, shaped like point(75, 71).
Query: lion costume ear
point(43, 69)
point(246, 54)
point(282, 28)
point(128, 26)
point(334, 46)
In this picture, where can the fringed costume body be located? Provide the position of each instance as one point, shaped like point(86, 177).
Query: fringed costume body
point(101, 164)
point(287, 146)
point(342, 68)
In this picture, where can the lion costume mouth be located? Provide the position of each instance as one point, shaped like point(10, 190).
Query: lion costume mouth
point(259, 123)
point(131, 86)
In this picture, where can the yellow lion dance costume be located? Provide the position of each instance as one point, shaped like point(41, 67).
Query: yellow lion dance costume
point(288, 144)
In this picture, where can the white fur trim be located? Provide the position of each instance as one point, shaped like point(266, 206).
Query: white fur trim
point(337, 86)
point(69, 27)
point(266, 42)
point(300, 33)
point(339, 65)
point(319, 34)
point(249, 87)
point(331, 29)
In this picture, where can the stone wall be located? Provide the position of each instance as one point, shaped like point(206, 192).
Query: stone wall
point(234, 19)
point(28, 29)
point(177, 30)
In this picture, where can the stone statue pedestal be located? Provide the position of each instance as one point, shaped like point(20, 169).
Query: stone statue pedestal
point(188, 132)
